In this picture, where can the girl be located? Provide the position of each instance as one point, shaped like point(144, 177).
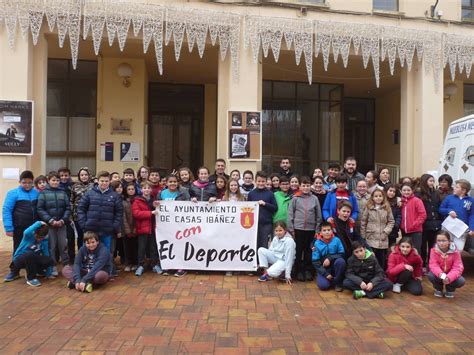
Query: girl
point(268, 184)
point(84, 183)
point(128, 226)
point(233, 191)
point(384, 177)
point(221, 184)
point(413, 216)
point(318, 172)
point(143, 212)
point(318, 189)
point(294, 184)
point(376, 224)
point(446, 266)
point(405, 268)
point(202, 189)
point(235, 175)
point(405, 180)
point(430, 197)
point(40, 183)
point(275, 178)
point(371, 179)
point(142, 173)
point(445, 188)
point(185, 177)
point(116, 247)
point(247, 185)
point(362, 198)
point(395, 203)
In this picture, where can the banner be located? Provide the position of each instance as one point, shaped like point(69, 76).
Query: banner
point(207, 236)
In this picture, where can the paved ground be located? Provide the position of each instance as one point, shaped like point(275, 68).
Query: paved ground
point(214, 313)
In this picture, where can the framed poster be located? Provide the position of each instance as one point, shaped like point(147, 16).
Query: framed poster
point(129, 152)
point(239, 143)
point(16, 127)
point(253, 121)
point(245, 137)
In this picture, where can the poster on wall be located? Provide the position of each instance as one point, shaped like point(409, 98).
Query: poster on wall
point(16, 127)
point(129, 152)
point(239, 144)
point(245, 135)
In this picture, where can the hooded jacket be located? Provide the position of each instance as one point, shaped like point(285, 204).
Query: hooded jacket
point(54, 205)
point(284, 249)
point(304, 212)
point(330, 206)
point(367, 269)
point(19, 208)
point(29, 239)
point(464, 208)
point(413, 215)
point(282, 199)
point(449, 263)
point(330, 249)
point(141, 211)
point(101, 261)
point(376, 225)
point(397, 262)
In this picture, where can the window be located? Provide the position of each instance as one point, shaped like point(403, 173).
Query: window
point(468, 99)
point(71, 115)
point(467, 10)
point(386, 5)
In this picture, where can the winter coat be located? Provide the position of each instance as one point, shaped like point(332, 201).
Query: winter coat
point(397, 216)
point(265, 213)
point(304, 212)
point(444, 193)
point(128, 225)
point(413, 215)
point(397, 262)
point(141, 211)
point(29, 239)
point(183, 195)
point(330, 206)
point(433, 219)
point(283, 200)
point(67, 187)
point(449, 263)
point(323, 250)
point(54, 205)
point(353, 180)
point(361, 204)
point(376, 225)
point(462, 206)
point(203, 192)
point(100, 211)
point(77, 191)
point(19, 209)
point(101, 261)
point(284, 249)
point(367, 269)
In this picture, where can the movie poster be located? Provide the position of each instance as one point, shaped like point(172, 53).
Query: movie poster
point(16, 127)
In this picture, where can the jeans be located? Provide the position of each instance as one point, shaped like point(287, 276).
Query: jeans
point(382, 286)
point(337, 270)
point(147, 245)
point(106, 240)
point(58, 239)
point(264, 233)
point(438, 283)
point(303, 241)
point(409, 283)
point(33, 263)
point(17, 237)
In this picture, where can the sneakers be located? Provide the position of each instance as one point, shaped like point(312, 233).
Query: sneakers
point(134, 267)
point(448, 294)
point(88, 288)
point(54, 272)
point(381, 295)
point(264, 278)
point(13, 275)
point(438, 293)
point(139, 271)
point(157, 269)
point(397, 288)
point(308, 275)
point(33, 282)
point(166, 273)
point(128, 268)
point(338, 288)
point(70, 285)
point(358, 294)
point(180, 273)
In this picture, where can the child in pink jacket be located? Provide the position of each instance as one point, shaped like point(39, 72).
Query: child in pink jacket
point(413, 216)
point(446, 266)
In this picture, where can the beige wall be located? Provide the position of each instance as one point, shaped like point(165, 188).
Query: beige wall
point(416, 8)
point(454, 107)
point(387, 119)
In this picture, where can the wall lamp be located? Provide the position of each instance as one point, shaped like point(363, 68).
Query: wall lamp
point(450, 90)
point(125, 71)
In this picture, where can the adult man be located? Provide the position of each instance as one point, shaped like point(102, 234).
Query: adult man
point(219, 171)
point(285, 168)
point(353, 176)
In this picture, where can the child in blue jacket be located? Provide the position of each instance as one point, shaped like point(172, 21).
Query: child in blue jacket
point(33, 253)
point(328, 259)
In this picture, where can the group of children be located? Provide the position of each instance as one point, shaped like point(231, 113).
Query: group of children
point(340, 228)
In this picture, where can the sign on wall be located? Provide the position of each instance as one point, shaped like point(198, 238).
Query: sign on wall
point(16, 127)
point(219, 236)
point(129, 152)
point(245, 138)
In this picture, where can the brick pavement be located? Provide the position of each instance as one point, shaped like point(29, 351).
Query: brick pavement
point(213, 313)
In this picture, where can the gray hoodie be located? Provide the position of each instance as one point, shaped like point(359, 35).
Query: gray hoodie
point(304, 213)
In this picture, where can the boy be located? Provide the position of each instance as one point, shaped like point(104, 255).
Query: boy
point(333, 171)
point(19, 212)
point(281, 255)
point(33, 253)
point(155, 181)
point(129, 176)
point(328, 259)
point(364, 276)
point(248, 184)
point(54, 209)
point(304, 218)
point(343, 227)
point(335, 197)
point(460, 205)
point(283, 199)
point(92, 265)
point(67, 185)
point(268, 207)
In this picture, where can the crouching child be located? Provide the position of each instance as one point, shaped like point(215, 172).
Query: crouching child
point(328, 259)
point(92, 265)
point(364, 276)
point(33, 254)
point(281, 255)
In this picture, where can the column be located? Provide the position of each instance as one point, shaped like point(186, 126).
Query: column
point(421, 121)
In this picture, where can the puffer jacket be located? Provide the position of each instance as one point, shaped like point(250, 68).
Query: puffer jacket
point(413, 215)
point(376, 225)
point(77, 191)
point(100, 211)
point(397, 262)
point(449, 263)
point(304, 212)
point(367, 269)
point(141, 211)
point(433, 218)
point(54, 205)
point(331, 249)
point(202, 191)
point(19, 209)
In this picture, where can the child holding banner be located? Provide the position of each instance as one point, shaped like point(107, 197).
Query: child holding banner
point(202, 189)
point(233, 191)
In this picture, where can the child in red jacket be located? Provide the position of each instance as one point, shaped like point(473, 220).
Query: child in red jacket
point(413, 216)
point(446, 266)
point(143, 213)
point(405, 268)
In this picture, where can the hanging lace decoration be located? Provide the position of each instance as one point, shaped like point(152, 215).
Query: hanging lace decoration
point(94, 19)
point(10, 18)
point(152, 24)
point(117, 23)
point(35, 19)
point(74, 29)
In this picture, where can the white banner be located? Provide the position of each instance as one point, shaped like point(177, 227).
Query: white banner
point(207, 236)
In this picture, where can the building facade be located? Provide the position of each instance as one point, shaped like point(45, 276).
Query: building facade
point(118, 84)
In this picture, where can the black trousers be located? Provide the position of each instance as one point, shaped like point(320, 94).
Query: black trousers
point(381, 256)
point(409, 283)
point(33, 263)
point(303, 241)
point(17, 237)
point(382, 286)
point(427, 242)
point(130, 250)
point(147, 246)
